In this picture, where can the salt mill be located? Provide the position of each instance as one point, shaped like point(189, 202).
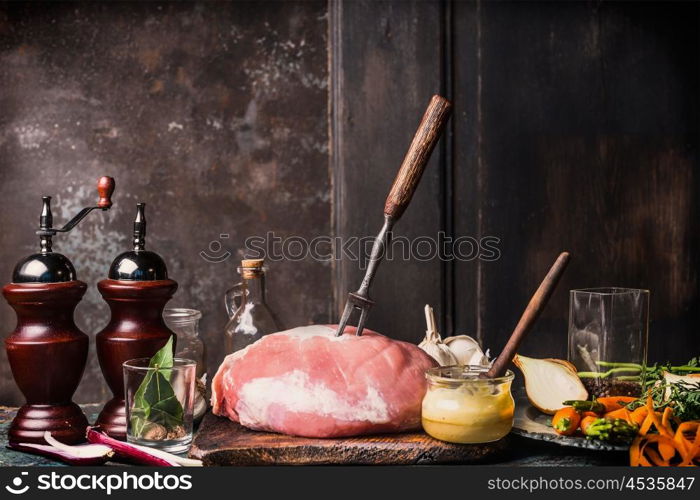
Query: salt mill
point(47, 351)
point(136, 290)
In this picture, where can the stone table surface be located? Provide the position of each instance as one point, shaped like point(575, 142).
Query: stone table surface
point(520, 452)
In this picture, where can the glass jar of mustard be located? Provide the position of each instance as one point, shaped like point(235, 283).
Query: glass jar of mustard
point(460, 407)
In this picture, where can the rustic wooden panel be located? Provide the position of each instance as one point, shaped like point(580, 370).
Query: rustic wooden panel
point(222, 442)
point(387, 65)
point(575, 128)
point(213, 113)
point(585, 139)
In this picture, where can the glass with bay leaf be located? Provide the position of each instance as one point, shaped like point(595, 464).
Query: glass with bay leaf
point(160, 394)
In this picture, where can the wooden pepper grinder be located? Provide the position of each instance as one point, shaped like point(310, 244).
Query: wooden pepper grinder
point(47, 351)
point(137, 290)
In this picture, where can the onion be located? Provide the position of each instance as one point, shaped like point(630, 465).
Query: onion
point(83, 450)
point(101, 449)
point(140, 454)
point(550, 382)
point(83, 454)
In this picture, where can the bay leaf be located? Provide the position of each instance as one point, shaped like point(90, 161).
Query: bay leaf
point(155, 400)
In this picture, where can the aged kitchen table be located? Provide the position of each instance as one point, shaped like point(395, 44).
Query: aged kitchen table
point(520, 451)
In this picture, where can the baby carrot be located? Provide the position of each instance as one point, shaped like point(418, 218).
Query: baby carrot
point(566, 421)
point(613, 403)
point(587, 421)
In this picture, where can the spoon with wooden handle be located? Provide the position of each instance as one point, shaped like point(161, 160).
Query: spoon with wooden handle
point(527, 320)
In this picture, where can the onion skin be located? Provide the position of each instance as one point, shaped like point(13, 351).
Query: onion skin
point(531, 383)
point(127, 451)
point(49, 451)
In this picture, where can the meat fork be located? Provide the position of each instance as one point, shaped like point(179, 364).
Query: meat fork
point(405, 183)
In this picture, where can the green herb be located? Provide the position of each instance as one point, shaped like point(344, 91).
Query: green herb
point(683, 397)
point(655, 373)
point(155, 401)
point(686, 400)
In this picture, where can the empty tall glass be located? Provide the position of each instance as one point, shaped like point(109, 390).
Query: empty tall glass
point(608, 334)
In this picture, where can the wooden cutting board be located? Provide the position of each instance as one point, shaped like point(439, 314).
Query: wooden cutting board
point(222, 442)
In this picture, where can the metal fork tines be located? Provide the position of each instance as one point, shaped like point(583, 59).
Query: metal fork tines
point(355, 301)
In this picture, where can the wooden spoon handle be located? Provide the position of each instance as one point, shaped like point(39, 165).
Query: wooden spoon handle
point(417, 157)
point(532, 312)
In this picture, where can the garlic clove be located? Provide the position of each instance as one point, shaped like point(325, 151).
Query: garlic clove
point(467, 350)
point(432, 344)
point(439, 352)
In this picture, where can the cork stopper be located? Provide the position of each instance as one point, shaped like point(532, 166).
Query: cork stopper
point(251, 268)
point(252, 263)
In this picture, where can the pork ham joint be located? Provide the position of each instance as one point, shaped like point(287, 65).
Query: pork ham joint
point(308, 382)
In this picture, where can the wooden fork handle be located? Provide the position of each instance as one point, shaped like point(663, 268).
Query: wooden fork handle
point(427, 136)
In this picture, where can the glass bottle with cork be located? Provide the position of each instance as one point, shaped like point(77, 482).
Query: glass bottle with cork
point(250, 318)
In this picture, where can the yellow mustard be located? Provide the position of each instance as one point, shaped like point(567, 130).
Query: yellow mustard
point(460, 407)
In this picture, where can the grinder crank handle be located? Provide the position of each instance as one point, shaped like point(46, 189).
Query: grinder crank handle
point(424, 141)
point(105, 188)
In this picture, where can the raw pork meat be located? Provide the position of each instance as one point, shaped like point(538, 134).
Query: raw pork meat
point(308, 382)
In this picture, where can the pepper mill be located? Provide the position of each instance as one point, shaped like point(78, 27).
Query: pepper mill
point(137, 290)
point(47, 351)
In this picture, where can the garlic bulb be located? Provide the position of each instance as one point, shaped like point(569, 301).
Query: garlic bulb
point(467, 351)
point(432, 343)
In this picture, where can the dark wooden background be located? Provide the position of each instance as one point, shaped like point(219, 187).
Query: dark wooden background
point(214, 114)
point(575, 128)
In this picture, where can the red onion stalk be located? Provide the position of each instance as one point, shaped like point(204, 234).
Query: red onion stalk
point(84, 454)
point(139, 454)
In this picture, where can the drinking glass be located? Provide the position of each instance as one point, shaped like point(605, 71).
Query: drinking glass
point(608, 335)
point(185, 324)
point(160, 404)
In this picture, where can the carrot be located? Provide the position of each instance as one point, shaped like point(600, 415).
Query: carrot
point(666, 449)
point(666, 418)
point(639, 415)
point(671, 448)
point(685, 427)
point(589, 414)
point(693, 450)
point(642, 454)
point(654, 416)
point(566, 421)
point(622, 413)
point(587, 421)
point(656, 459)
point(613, 403)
